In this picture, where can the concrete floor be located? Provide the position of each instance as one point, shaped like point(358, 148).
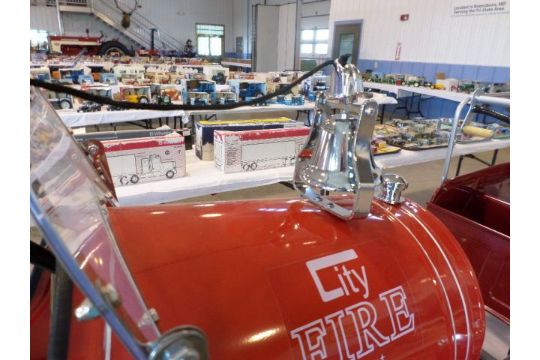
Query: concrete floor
point(423, 180)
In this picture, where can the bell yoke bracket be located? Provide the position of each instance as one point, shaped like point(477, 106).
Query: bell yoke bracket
point(336, 161)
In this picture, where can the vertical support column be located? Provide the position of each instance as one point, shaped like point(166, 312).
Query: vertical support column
point(60, 24)
point(299, 4)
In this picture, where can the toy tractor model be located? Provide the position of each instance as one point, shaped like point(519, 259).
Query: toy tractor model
point(89, 106)
point(351, 270)
point(73, 45)
point(162, 99)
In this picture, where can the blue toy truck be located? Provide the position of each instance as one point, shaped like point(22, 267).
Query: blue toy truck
point(200, 86)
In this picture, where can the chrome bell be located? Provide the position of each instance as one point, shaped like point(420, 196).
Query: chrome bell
point(336, 161)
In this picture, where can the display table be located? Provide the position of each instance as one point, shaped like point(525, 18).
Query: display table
point(236, 63)
point(74, 119)
point(407, 157)
point(204, 178)
point(272, 108)
point(308, 106)
point(405, 91)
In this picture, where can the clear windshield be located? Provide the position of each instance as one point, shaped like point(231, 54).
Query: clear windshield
point(72, 194)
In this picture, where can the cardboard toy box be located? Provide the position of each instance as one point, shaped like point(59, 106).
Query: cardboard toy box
point(241, 151)
point(204, 131)
point(146, 159)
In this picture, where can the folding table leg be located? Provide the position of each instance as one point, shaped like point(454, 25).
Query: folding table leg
point(459, 164)
point(494, 158)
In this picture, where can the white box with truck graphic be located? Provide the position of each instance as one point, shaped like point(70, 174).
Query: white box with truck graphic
point(257, 149)
point(146, 159)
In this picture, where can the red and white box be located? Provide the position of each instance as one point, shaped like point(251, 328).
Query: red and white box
point(142, 160)
point(242, 151)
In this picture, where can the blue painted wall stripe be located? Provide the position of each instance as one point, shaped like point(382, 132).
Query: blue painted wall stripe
point(497, 74)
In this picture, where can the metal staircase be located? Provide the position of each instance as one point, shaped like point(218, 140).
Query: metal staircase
point(139, 30)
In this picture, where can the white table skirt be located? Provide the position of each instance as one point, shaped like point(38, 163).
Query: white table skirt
point(204, 178)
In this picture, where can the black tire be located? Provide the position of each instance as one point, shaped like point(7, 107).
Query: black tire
point(143, 100)
point(65, 104)
point(134, 179)
point(257, 95)
point(124, 180)
point(110, 47)
point(169, 174)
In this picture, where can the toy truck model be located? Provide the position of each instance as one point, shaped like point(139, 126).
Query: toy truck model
point(134, 94)
point(41, 73)
point(297, 100)
point(315, 84)
point(71, 75)
point(107, 78)
point(216, 73)
point(247, 90)
point(236, 151)
point(171, 90)
point(123, 72)
point(158, 75)
point(412, 80)
point(199, 86)
point(96, 71)
point(85, 79)
point(197, 98)
point(165, 93)
point(59, 101)
point(498, 88)
point(90, 106)
point(225, 97)
point(145, 159)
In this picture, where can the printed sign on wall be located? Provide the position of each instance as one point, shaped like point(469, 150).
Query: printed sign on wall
point(480, 7)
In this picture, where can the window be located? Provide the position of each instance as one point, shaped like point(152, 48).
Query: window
point(210, 39)
point(38, 40)
point(314, 43)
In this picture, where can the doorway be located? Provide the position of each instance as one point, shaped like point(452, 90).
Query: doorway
point(347, 40)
